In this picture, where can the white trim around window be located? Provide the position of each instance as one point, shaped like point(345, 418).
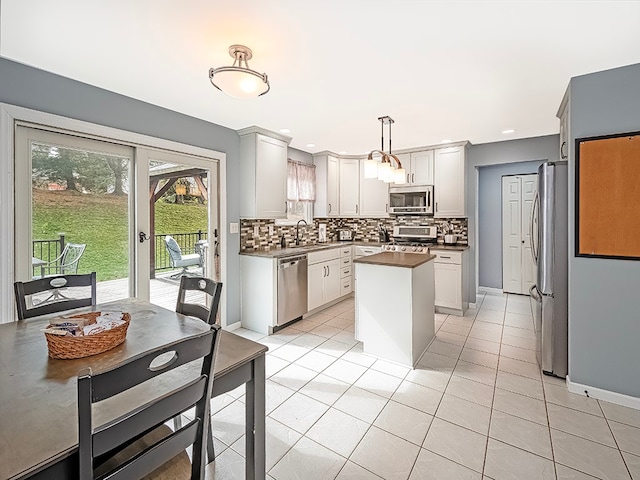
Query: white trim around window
point(10, 115)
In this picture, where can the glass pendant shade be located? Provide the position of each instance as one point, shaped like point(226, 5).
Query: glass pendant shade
point(370, 168)
point(384, 170)
point(239, 81)
point(400, 176)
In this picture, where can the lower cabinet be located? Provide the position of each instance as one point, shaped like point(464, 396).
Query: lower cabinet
point(450, 281)
point(323, 275)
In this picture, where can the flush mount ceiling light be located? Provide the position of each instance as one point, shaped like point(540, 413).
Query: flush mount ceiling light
point(238, 80)
point(385, 170)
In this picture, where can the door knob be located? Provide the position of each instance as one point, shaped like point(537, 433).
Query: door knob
point(143, 236)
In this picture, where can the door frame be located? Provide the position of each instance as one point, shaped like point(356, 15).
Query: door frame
point(10, 115)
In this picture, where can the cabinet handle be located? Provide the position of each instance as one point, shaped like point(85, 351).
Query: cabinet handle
point(386, 207)
point(413, 177)
point(436, 206)
point(356, 208)
point(562, 154)
point(407, 178)
point(328, 271)
point(329, 208)
point(444, 256)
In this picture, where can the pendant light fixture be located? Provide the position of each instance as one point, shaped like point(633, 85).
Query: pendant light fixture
point(385, 169)
point(238, 80)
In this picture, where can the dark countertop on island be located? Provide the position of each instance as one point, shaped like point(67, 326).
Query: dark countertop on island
point(394, 259)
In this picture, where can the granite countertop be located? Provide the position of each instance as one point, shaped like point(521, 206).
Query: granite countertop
point(285, 252)
point(394, 259)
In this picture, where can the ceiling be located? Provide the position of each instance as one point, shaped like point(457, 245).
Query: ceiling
point(457, 70)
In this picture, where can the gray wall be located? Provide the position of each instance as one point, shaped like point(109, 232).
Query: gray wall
point(604, 324)
point(536, 149)
point(299, 155)
point(39, 90)
point(489, 235)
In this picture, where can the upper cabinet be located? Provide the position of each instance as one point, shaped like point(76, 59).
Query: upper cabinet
point(263, 173)
point(421, 168)
point(327, 202)
point(563, 115)
point(349, 187)
point(449, 181)
point(374, 196)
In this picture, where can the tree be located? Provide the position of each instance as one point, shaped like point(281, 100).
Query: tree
point(55, 164)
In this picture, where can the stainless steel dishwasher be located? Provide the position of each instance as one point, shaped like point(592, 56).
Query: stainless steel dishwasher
point(292, 288)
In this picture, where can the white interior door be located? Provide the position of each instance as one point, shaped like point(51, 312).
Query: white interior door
point(518, 269)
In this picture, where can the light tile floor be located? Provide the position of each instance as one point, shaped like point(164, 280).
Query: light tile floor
point(477, 407)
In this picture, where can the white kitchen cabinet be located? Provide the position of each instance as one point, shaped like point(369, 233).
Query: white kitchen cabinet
point(563, 115)
point(374, 196)
point(450, 281)
point(346, 271)
point(327, 186)
point(419, 167)
point(349, 187)
point(323, 277)
point(263, 173)
point(449, 182)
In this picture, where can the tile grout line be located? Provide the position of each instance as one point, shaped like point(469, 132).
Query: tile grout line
point(614, 439)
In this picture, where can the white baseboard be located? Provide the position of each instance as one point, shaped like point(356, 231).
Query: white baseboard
point(233, 326)
point(472, 305)
point(606, 395)
point(490, 291)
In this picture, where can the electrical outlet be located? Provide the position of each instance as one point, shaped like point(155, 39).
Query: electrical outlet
point(256, 231)
point(233, 228)
point(271, 230)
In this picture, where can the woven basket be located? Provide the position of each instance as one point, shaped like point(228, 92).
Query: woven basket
point(66, 347)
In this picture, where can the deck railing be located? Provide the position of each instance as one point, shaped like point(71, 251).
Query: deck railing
point(187, 242)
point(47, 250)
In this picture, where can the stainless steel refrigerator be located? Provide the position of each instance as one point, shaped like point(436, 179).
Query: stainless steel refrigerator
point(549, 250)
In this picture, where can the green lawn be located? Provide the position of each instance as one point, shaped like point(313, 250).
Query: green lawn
point(100, 221)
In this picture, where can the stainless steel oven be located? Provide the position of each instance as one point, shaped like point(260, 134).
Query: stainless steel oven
point(411, 200)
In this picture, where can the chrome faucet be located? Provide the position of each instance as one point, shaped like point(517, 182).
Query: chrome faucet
point(298, 230)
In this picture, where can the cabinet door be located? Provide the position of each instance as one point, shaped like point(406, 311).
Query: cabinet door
point(449, 182)
point(332, 284)
point(374, 196)
point(422, 168)
point(349, 176)
point(271, 177)
point(315, 285)
point(333, 187)
point(405, 159)
point(448, 285)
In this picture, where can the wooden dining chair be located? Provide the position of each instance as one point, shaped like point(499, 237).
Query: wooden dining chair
point(213, 290)
point(199, 284)
point(56, 301)
point(137, 444)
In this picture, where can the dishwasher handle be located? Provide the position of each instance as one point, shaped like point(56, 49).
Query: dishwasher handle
point(289, 262)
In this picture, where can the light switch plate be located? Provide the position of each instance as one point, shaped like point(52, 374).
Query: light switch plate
point(256, 231)
point(270, 230)
point(233, 228)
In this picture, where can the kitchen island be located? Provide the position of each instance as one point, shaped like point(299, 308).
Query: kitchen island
point(395, 295)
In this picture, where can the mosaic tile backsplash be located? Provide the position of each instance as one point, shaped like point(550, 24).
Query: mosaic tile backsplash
point(364, 229)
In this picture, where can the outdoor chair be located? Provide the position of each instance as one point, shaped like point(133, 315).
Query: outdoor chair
point(56, 302)
point(177, 259)
point(137, 443)
point(66, 263)
point(213, 291)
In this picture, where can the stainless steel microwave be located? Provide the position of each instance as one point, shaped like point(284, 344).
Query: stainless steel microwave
point(416, 200)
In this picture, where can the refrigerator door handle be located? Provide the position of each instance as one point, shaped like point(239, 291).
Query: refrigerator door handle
point(535, 293)
point(534, 253)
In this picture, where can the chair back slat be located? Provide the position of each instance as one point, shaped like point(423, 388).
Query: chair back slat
point(144, 418)
point(155, 456)
point(200, 284)
point(54, 284)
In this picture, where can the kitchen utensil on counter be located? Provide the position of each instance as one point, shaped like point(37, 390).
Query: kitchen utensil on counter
point(450, 239)
point(345, 235)
point(322, 232)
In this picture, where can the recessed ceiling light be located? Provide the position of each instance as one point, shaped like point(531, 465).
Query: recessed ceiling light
point(510, 130)
point(343, 152)
point(285, 130)
point(446, 141)
point(311, 145)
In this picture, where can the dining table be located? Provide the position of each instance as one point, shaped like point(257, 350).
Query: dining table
point(38, 394)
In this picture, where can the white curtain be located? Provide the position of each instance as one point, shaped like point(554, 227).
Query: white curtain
point(301, 182)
